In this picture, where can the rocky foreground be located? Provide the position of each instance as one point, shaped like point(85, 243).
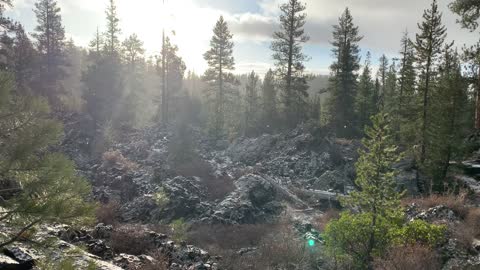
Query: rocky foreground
point(295, 175)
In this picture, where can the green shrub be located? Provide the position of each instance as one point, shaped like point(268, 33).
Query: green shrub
point(420, 232)
point(161, 198)
point(347, 236)
point(179, 229)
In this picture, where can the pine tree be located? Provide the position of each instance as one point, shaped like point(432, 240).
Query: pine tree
point(364, 102)
point(50, 36)
point(112, 40)
point(469, 11)
point(36, 186)
point(428, 47)
point(343, 82)
point(133, 50)
point(97, 44)
point(407, 100)
point(175, 72)
point(251, 104)
point(377, 199)
point(391, 94)
point(289, 60)
point(220, 81)
point(25, 57)
point(382, 75)
point(269, 102)
point(448, 127)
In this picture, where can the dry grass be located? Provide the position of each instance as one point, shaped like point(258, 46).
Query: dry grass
point(115, 159)
point(161, 262)
point(321, 222)
point(229, 236)
point(455, 202)
point(108, 213)
point(278, 246)
point(217, 187)
point(469, 229)
point(414, 257)
point(131, 239)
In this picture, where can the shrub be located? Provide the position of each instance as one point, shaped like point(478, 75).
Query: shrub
point(161, 198)
point(345, 237)
point(419, 231)
point(130, 239)
point(179, 229)
point(160, 262)
point(108, 213)
point(410, 257)
point(114, 158)
point(455, 202)
point(466, 231)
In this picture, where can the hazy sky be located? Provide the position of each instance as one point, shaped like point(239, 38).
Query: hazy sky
point(252, 22)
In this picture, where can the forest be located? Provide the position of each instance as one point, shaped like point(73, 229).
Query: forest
point(113, 156)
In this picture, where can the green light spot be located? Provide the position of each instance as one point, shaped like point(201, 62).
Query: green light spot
point(311, 242)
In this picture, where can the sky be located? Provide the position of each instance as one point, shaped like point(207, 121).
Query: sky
point(252, 22)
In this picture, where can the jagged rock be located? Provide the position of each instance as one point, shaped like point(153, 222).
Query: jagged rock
point(332, 180)
point(438, 213)
point(100, 248)
point(140, 209)
point(126, 261)
point(8, 263)
point(187, 198)
point(252, 201)
point(24, 256)
point(102, 231)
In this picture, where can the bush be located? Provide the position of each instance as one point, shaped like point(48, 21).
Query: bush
point(179, 229)
point(455, 202)
point(160, 262)
point(131, 239)
point(345, 238)
point(115, 159)
point(420, 232)
point(410, 257)
point(108, 213)
point(161, 198)
point(466, 231)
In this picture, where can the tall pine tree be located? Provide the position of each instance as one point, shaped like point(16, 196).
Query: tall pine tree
point(365, 105)
point(343, 82)
point(289, 60)
point(220, 81)
point(251, 104)
point(269, 102)
point(50, 36)
point(428, 46)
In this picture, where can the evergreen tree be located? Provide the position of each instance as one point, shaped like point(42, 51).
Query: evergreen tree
point(50, 36)
point(112, 40)
point(364, 102)
point(448, 125)
point(25, 58)
point(132, 50)
point(343, 82)
point(251, 104)
point(220, 81)
point(289, 60)
point(428, 47)
point(377, 200)
point(469, 11)
point(175, 72)
point(97, 44)
point(382, 75)
point(269, 102)
point(407, 100)
point(391, 98)
point(36, 186)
